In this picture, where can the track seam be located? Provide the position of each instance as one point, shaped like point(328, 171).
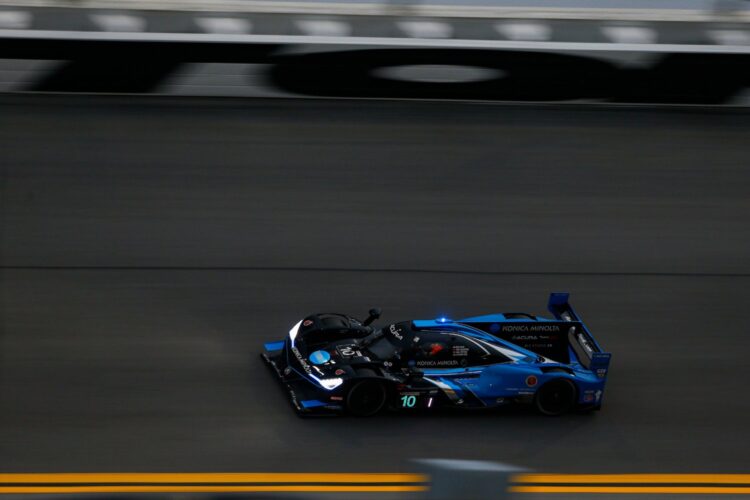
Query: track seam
point(371, 270)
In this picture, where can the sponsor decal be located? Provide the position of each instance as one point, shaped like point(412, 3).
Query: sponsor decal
point(531, 380)
point(588, 398)
point(396, 332)
point(460, 350)
point(601, 372)
point(337, 398)
point(530, 328)
point(598, 395)
point(535, 337)
point(302, 361)
point(349, 351)
point(339, 372)
point(307, 322)
point(320, 357)
point(538, 347)
point(446, 362)
point(585, 344)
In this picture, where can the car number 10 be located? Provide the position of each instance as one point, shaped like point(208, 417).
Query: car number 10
point(408, 401)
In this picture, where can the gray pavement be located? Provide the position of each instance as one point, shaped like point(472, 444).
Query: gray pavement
point(149, 247)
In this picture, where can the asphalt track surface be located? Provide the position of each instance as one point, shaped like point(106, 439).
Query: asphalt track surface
point(150, 246)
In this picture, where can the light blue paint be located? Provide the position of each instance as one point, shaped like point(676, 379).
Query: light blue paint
point(320, 357)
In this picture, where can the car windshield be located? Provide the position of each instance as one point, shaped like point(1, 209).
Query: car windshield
point(382, 348)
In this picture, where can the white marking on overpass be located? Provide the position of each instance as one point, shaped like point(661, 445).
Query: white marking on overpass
point(437, 73)
point(370, 8)
point(730, 37)
point(524, 31)
point(426, 29)
point(630, 34)
point(323, 27)
point(15, 19)
point(224, 25)
point(211, 38)
point(22, 74)
point(120, 23)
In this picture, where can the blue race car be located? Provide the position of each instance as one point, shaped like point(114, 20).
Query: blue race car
point(334, 363)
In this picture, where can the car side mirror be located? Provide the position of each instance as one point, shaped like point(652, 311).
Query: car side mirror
point(374, 314)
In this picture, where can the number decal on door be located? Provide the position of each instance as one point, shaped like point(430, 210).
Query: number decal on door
point(408, 401)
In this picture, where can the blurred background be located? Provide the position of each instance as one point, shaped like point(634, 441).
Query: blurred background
point(182, 180)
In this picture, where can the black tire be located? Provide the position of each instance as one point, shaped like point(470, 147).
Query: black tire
point(556, 397)
point(366, 398)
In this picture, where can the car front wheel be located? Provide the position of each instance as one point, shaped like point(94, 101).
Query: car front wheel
point(366, 398)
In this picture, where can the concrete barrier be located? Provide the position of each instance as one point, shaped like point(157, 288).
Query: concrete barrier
point(623, 59)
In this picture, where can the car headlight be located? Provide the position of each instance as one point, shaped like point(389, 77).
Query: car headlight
point(293, 332)
point(330, 383)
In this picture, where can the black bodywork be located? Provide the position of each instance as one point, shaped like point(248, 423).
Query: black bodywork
point(358, 352)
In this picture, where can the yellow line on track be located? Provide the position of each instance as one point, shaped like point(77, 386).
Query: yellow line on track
point(209, 489)
point(700, 490)
point(211, 477)
point(634, 478)
point(306, 477)
point(232, 482)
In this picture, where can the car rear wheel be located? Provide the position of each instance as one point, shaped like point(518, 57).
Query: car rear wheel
point(366, 398)
point(556, 397)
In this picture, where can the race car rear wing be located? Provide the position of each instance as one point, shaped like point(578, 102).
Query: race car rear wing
point(586, 348)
